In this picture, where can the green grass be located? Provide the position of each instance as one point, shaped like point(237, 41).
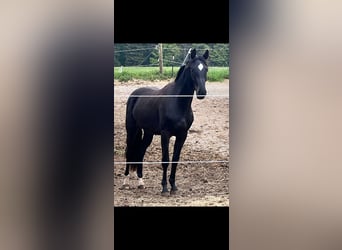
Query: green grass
point(215, 74)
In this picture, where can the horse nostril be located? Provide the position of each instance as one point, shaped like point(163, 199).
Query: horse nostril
point(199, 96)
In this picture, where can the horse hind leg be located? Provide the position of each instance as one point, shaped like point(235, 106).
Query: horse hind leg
point(133, 142)
point(146, 141)
point(125, 184)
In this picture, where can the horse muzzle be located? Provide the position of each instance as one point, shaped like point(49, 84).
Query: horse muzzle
point(200, 94)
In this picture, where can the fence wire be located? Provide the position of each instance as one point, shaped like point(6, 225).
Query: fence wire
point(169, 162)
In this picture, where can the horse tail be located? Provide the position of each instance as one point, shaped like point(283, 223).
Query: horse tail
point(134, 135)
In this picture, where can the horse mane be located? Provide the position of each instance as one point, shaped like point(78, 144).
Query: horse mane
point(180, 71)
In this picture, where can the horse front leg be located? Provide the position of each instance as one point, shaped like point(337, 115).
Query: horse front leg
point(180, 139)
point(165, 140)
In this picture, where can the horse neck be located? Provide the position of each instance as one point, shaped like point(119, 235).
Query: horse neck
point(184, 86)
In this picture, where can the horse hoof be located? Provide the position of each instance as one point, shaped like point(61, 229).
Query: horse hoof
point(164, 193)
point(173, 192)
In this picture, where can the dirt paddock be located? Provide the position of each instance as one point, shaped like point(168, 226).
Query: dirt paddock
point(203, 178)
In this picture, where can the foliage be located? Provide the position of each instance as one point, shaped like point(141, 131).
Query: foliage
point(147, 54)
point(152, 73)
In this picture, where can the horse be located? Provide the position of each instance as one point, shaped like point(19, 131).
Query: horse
point(166, 112)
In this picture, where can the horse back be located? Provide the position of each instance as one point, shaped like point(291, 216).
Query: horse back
point(145, 91)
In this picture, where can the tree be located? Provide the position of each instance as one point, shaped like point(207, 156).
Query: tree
point(136, 54)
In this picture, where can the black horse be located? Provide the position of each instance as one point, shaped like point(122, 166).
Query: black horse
point(166, 112)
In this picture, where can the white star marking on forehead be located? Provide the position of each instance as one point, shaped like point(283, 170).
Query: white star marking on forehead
point(200, 66)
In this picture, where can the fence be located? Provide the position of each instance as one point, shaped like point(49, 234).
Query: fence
point(126, 96)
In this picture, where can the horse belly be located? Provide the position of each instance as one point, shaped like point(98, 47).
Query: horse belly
point(146, 117)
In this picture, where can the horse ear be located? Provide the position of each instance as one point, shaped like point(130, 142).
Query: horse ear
point(193, 53)
point(206, 54)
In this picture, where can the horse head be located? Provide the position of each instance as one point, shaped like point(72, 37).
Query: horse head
point(199, 70)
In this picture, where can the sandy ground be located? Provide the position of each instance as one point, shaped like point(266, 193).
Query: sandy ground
point(199, 184)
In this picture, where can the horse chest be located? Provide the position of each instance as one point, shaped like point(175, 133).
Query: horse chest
point(178, 123)
point(181, 124)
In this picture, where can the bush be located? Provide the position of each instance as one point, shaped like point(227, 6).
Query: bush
point(216, 74)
